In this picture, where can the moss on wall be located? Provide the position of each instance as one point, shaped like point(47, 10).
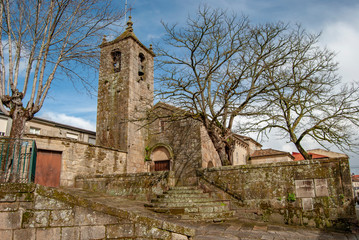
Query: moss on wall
point(270, 190)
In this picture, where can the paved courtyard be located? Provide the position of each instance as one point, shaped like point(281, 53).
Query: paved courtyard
point(254, 230)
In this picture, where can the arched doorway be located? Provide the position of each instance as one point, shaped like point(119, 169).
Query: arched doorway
point(161, 158)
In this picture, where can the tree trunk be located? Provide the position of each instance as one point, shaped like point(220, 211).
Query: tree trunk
point(19, 117)
point(302, 151)
point(223, 147)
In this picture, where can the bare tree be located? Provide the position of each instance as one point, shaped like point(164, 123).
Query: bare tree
point(40, 39)
point(307, 101)
point(214, 67)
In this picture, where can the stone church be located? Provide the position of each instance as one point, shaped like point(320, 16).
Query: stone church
point(131, 159)
point(124, 110)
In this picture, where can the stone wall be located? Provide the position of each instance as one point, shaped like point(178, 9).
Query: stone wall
point(138, 186)
point(184, 138)
point(209, 153)
point(124, 97)
point(82, 158)
point(314, 193)
point(39, 213)
point(270, 159)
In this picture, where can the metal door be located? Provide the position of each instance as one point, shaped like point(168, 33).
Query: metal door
point(48, 168)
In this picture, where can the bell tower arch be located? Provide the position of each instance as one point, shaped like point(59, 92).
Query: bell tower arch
point(125, 94)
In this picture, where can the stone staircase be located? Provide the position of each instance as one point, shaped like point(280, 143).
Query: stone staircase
point(191, 203)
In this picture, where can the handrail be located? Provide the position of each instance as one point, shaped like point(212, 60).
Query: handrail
point(17, 160)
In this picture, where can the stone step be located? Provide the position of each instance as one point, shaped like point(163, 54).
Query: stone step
point(210, 202)
point(184, 191)
point(177, 200)
point(184, 195)
point(217, 216)
point(191, 203)
point(191, 209)
point(184, 188)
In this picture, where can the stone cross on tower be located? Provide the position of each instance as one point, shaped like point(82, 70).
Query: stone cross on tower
point(125, 94)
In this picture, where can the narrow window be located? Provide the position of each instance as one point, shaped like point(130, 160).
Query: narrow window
point(141, 66)
point(34, 130)
point(116, 60)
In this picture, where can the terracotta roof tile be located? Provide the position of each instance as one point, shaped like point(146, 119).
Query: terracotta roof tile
point(299, 157)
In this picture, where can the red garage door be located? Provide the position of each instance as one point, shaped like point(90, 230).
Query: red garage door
point(48, 168)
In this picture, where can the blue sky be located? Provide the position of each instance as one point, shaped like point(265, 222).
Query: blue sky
point(337, 20)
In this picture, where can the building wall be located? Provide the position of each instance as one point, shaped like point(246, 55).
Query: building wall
point(328, 153)
point(313, 193)
point(252, 146)
point(29, 212)
point(270, 159)
point(79, 158)
point(48, 128)
point(240, 154)
point(209, 154)
point(137, 186)
point(124, 99)
point(140, 102)
point(183, 137)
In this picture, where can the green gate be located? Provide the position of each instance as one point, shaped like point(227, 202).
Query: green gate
point(17, 160)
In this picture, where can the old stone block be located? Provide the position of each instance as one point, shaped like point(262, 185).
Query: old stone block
point(21, 234)
point(62, 218)
point(26, 205)
point(6, 234)
point(48, 233)
point(42, 202)
point(276, 218)
point(309, 222)
point(25, 197)
point(176, 236)
point(120, 230)
point(35, 218)
point(9, 197)
point(142, 230)
point(70, 233)
point(9, 206)
point(92, 232)
point(89, 217)
point(307, 204)
point(321, 187)
point(10, 220)
point(304, 188)
point(172, 227)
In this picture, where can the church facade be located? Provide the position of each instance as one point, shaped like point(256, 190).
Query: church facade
point(127, 119)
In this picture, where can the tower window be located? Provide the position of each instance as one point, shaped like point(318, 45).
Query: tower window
point(141, 66)
point(116, 60)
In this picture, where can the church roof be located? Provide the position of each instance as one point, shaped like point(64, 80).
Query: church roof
point(298, 156)
point(128, 33)
point(269, 152)
point(246, 138)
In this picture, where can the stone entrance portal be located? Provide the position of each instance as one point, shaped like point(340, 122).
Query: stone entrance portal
point(161, 158)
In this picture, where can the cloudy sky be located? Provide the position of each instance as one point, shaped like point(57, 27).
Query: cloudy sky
point(337, 21)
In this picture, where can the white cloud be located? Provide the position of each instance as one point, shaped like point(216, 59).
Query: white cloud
point(23, 64)
point(342, 36)
point(69, 120)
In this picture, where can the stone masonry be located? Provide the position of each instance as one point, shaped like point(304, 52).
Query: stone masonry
point(36, 213)
point(310, 193)
point(125, 95)
point(82, 158)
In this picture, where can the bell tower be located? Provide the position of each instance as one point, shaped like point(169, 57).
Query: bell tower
point(125, 94)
